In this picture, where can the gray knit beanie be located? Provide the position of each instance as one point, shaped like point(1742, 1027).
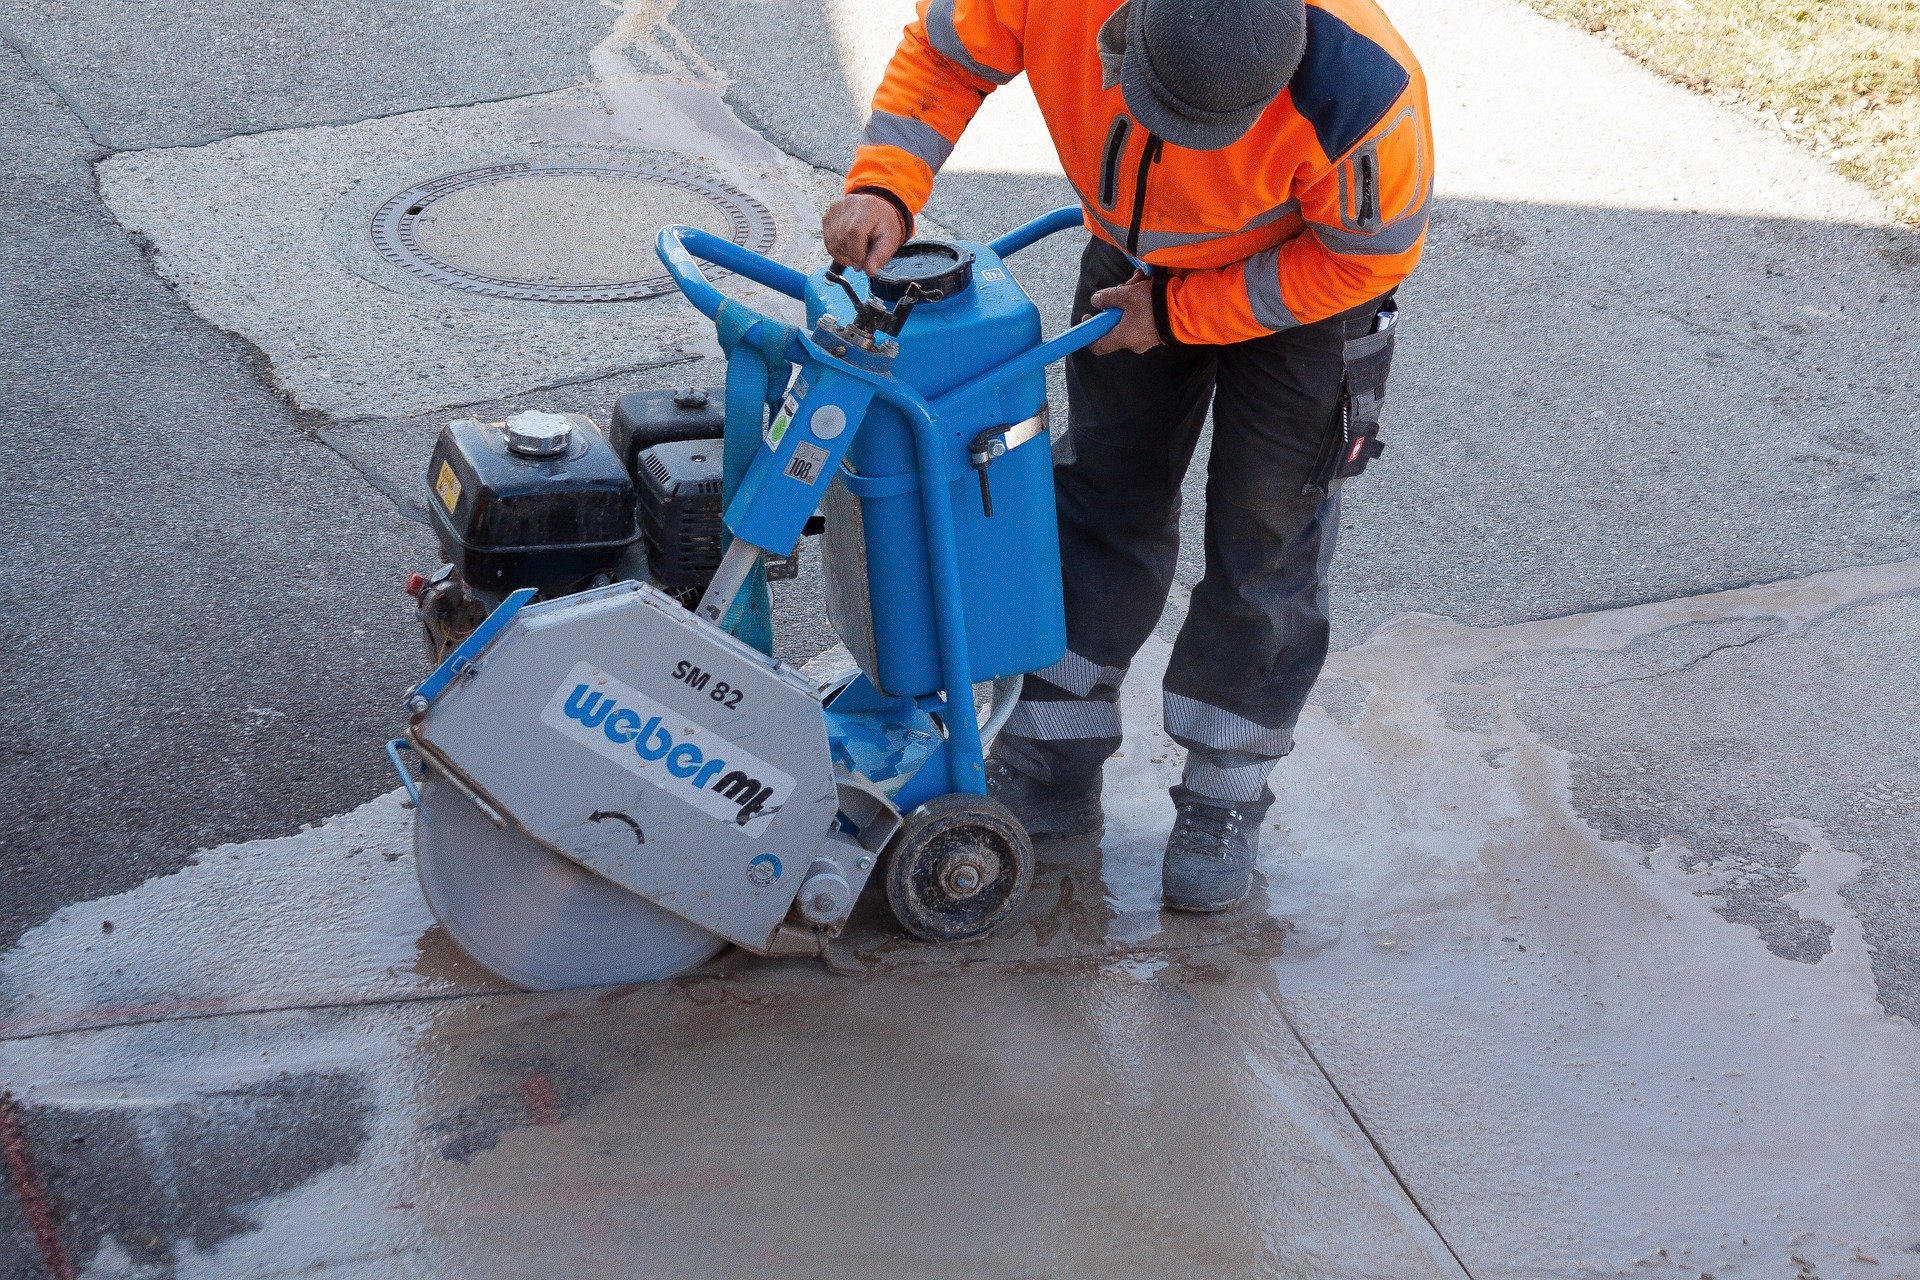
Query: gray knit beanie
point(1199, 72)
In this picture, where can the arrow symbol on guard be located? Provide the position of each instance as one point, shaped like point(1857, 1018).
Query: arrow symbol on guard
point(614, 815)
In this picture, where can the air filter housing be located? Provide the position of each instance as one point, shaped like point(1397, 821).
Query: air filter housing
point(679, 497)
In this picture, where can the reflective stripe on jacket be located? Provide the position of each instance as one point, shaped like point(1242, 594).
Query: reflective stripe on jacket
point(1321, 206)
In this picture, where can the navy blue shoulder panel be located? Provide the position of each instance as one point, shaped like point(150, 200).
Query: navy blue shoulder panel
point(1345, 82)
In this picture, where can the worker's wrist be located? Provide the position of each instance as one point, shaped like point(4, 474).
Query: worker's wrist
point(1162, 318)
point(899, 207)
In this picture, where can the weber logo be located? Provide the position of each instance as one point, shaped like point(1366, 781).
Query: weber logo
point(662, 746)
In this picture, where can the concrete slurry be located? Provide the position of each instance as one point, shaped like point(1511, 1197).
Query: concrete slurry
point(1456, 1019)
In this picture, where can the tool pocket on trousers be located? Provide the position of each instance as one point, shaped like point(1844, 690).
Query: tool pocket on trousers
point(1354, 438)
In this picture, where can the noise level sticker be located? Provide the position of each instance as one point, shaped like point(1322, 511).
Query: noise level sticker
point(806, 464)
point(789, 406)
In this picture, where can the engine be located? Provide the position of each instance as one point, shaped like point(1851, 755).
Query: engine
point(545, 500)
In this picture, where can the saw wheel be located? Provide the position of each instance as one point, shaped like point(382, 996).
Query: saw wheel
point(534, 918)
point(958, 868)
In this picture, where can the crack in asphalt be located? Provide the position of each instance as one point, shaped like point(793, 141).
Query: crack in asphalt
point(1697, 659)
point(1782, 630)
point(44, 74)
point(679, 357)
point(408, 507)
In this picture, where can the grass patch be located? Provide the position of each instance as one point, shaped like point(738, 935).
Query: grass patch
point(1842, 76)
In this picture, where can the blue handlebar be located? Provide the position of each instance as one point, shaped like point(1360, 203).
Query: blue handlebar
point(1084, 334)
point(679, 246)
point(1011, 242)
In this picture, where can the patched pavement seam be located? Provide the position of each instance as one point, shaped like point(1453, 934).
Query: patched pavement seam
point(345, 121)
point(1621, 605)
point(409, 508)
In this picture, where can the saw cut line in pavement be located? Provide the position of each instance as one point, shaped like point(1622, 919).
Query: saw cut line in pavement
point(525, 231)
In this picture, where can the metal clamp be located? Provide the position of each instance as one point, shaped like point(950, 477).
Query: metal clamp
point(996, 442)
point(421, 696)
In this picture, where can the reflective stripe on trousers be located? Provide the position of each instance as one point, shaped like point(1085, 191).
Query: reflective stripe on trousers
point(1256, 630)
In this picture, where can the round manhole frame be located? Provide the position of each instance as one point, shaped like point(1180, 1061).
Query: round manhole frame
point(395, 224)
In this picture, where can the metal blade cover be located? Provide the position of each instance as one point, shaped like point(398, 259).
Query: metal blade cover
point(534, 918)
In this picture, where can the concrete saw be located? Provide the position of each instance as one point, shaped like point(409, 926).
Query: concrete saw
point(614, 790)
point(614, 777)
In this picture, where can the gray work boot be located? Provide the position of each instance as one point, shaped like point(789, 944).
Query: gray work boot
point(1210, 856)
point(1046, 809)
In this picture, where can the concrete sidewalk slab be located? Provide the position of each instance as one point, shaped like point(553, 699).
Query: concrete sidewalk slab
point(1056, 1100)
point(268, 236)
point(1069, 1121)
point(1576, 1063)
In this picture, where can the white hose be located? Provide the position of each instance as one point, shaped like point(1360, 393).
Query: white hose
point(1006, 692)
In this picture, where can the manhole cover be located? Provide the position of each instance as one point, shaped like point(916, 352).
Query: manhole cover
point(558, 231)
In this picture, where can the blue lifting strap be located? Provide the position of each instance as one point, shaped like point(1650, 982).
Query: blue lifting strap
point(757, 366)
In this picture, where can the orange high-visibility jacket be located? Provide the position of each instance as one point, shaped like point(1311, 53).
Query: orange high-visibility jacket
point(1321, 206)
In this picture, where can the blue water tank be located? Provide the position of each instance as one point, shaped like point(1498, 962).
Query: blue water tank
point(879, 579)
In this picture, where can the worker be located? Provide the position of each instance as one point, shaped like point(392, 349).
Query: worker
point(1255, 175)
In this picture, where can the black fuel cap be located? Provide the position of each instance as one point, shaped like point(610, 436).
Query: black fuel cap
point(940, 269)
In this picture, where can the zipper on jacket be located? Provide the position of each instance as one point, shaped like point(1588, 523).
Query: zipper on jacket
point(1110, 163)
point(1367, 210)
point(1148, 154)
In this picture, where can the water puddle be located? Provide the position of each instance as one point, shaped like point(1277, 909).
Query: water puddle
point(1579, 1065)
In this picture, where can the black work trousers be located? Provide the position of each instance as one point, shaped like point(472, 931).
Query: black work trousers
point(1255, 636)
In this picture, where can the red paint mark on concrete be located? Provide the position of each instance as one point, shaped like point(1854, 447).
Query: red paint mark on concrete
point(542, 1105)
point(33, 1197)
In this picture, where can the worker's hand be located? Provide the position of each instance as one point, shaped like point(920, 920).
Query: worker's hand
point(1136, 331)
point(862, 231)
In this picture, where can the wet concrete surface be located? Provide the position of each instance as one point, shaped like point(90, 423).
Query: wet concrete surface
point(1522, 1005)
point(1457, 1018)
point(1100, 1090)
point(1707, 743)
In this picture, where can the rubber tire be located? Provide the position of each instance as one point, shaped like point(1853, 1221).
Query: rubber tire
point(933, 835)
